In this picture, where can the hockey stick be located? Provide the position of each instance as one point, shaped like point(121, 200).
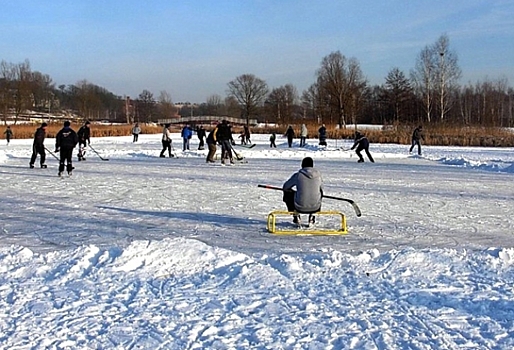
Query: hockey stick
point(354, 205)
point(238, 156)
point(52, 154)
point(98, 154)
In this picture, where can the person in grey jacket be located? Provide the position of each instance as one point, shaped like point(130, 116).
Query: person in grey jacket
point(303, 135)
point(309, 191)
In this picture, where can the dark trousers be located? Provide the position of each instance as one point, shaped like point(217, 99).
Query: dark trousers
point(135, 137)
point(272, 144)
point(38, 149)
point(212, 152)
point(201, 145)
point(414, 143)
point(65, 155)
point(290, 141)
point(166, 145)
point(366, 149)
point(226, 150)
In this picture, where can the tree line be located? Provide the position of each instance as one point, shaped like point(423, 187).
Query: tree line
point(429, 93)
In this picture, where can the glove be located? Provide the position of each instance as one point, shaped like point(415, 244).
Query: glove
point(56, 150)
point(233, 142)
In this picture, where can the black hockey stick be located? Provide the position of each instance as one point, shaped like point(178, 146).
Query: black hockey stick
point(354, 205)
point(98, 154)
point(238, 156)
point(53, 154)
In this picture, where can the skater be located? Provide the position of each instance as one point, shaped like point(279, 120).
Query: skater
point(272, 139)
point(38, 146)
point(303, 135)
point(211, 144)
point(290, 136)
point(247, 135)
point(322, 132)
point(200, 132)
point(186, 134)
point(242, 136)
point(166, 141)
point(362, 143)
point(83, 134)
point(224, 137)
point(65, 142)
point(8, 134)
point(309, 191)
point(417, 136)
point(136, 130)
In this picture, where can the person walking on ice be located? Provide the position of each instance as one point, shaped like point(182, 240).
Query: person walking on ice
point(309, 191)
point(8, 134)
point(84, 135)
point(362, 144)
point(136, 130)
point(38, 146)
point(417, 135)
point(65, 142)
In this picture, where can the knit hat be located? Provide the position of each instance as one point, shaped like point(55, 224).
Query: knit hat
point(87, 122)
point(307, 162)
point(44, 124)
point(67, 123)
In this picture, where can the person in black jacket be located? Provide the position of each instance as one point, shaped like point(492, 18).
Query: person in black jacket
point(200, 132)
point(225, 139)
point(362, 143)
point(84, 135)
point(322, 132)
point(38, 147)
point(417, 135)
point(290, 136)
point(65, 142)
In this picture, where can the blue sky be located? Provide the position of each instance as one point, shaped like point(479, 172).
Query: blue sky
point(193, 48)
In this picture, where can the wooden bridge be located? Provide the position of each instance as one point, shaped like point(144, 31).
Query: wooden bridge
point(207, 120)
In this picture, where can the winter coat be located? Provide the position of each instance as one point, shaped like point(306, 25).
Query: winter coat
point(303, 131)
point(361, 142)
point(211, 138)
point(136, 130)
point(84, 134)
point(8, 134)
point(186, 132)
point(66, 138)
point(166, 134)
point(224, 133)
point(322, 133)
point(417, 134)
point(39, 136)
point(200, 133)
point(289, 133)
point(309, 189)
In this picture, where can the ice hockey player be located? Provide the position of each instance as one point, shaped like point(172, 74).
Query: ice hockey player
point(322, 132)
point(290, 136)
point(362, 144)
point(8, 134)
point(417, 136)
point(38, 146)
point(225, 139)
point(65, 142)
point(309, 191)
point(211, 145)
point(84, 135)
point(166, 141)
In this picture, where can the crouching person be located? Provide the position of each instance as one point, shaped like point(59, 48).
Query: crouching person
point(65, 142)
point(309, 191)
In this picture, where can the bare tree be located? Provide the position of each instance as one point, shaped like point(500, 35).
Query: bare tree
point(250, 92)
point(448, 73)
point(342, 83)
point(423, 76)
point(281, 102)
point(214, 103)
point(145, 106)
point(166, 107)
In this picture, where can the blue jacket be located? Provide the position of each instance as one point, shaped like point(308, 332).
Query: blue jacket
point(187, 132)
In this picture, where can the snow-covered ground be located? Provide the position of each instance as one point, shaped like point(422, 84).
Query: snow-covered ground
point(141, 252)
